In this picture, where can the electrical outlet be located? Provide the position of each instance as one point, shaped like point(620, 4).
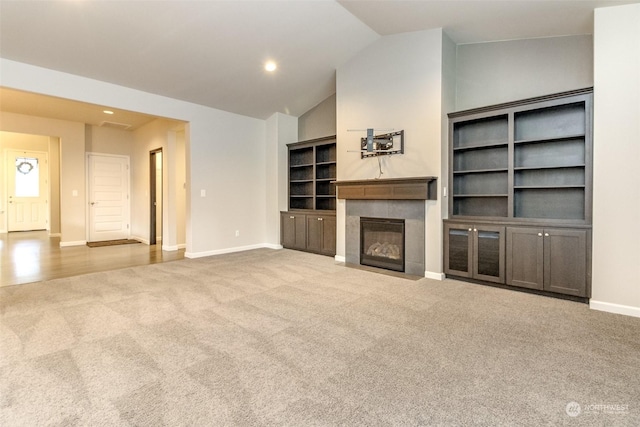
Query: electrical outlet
point(237, 233)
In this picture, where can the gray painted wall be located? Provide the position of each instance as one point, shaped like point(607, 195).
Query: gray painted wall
point(319, 121)
point(491, 73)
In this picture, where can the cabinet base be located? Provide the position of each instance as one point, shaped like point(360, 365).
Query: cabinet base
point(583, 300)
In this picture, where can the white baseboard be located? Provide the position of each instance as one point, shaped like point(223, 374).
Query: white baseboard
point(228, 250)
point(272, 246)
point(174, 247)
point(140, 239)
point(340, 258)
point(55, 235)
point(434, 276)
point(609, 307)
point(3, 232)
point(76, 243)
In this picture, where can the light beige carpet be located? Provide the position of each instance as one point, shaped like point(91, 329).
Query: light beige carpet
point(289, 338)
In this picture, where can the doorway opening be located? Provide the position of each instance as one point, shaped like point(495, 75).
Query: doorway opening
point(155, 196)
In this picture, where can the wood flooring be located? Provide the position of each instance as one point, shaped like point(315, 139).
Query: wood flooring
point(33, 256)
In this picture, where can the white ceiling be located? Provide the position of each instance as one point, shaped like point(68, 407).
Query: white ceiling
point(212, 52)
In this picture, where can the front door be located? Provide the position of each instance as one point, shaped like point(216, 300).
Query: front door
point(108, 197)
point(27, 191)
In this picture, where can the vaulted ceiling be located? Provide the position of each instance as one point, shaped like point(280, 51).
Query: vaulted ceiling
point(213, 52)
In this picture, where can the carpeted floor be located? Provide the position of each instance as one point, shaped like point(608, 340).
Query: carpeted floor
point(289, 338)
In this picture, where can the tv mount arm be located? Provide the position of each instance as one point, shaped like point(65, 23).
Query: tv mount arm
point(382, 145)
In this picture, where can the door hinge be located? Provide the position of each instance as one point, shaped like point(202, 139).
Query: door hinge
point(127, 226)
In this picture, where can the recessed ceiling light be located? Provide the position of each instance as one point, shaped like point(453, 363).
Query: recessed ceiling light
point(270, 66)
point(107, 111)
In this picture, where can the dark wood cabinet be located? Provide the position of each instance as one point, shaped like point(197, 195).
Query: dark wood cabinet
point(309, 231)
point(321, 234)
point(524, 167)
point(475, 251)
point(293, 230)
point(548, 259)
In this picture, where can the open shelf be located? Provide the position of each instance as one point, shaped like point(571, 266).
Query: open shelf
point(487, 206)
point(486, 159)
point(562, 203)
point(549, 140)
point(482, 146)
point(479, 171)
point(489, 131)
point(550, 122)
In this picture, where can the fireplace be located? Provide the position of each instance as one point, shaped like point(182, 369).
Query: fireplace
point(405, 199)
point(382, 243)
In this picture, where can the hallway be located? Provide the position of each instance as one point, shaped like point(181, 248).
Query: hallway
point(33, 256)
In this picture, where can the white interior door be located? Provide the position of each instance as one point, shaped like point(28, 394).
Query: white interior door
point(27, 190)
point(108, 197)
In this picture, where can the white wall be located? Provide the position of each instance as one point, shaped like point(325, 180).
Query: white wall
point(174, 191)
point(72, 165)
point(153, 136)
point(616, 190)
point(281, 130)
point(106, 140)
point(319, 121)
point(228, 163)
point(449, 66)
point(54, 187)
point(226, 157)
point(491, 73)
point(395, 83)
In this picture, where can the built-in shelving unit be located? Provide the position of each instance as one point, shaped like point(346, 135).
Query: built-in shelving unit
point(309, 224)
point(312, 168)
point(525, 163)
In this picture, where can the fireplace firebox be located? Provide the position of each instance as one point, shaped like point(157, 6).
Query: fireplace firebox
point(382, 243)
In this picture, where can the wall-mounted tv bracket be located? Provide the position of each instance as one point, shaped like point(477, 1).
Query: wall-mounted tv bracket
point(382, 145)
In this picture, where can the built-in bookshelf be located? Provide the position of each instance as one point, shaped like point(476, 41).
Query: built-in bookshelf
point(520, 199)
point(523, 161)
point(312, 174)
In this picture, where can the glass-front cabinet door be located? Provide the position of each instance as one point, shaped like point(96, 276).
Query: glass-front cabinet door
point(458, 247)
point(488, 253)
point(475, 251)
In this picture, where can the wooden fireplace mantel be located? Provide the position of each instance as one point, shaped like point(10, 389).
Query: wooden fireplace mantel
point(420, 188)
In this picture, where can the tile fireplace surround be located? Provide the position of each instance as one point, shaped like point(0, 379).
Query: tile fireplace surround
point(394, 198)
point(412, 211)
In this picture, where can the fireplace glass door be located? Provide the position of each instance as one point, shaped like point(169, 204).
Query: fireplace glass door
point(382, 243)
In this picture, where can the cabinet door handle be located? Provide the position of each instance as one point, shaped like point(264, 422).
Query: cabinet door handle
point(540, 234)
point(546, 234)
point(319, 219)
point(292, 217)
point(475, 229)
point(470, 230)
